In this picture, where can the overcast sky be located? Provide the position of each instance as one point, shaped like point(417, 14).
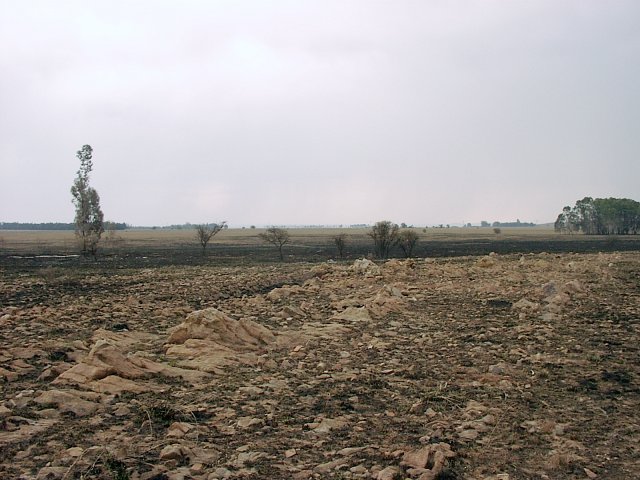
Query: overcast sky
point(319, 112)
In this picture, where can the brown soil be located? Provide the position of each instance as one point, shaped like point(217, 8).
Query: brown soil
point(490, 367)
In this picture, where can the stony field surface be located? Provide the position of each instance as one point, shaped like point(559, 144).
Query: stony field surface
point(492, 367)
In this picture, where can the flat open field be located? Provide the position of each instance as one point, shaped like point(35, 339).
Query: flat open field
point(156, 362)
point(243, 246)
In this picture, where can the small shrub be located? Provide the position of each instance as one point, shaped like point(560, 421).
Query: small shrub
point(407, 240)
point(117, 468)
point(340, 241)
point(156, 415)
point(278, 237)
point(205, 232)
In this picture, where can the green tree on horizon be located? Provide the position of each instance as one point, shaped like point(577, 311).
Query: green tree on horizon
point(600, 216)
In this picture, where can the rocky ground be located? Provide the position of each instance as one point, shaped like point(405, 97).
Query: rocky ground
point(494, 367)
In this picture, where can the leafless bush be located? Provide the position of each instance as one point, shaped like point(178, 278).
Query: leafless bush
point(205, 232)
point(277, 237)
point(407, 240)
point(384, 235)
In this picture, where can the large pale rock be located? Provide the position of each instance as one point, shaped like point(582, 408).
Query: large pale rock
point(365, 267)
point(388, 473)
point(524, 304)
point(26, 353)
point(104, 359)
point(125, 340)
point(179, 429)
point(388, 299)
point(8, 375)
point(281, 293)
point(52, 473)
point(485, 262)
point(174, 452)
point(326, 425)
point(429, 460)
point(325, 468)
point(396, 265)
point(209, 339)
point(189, 375)
point(67, 401)
point(353, 314)
point(244, 458)
point(25, 431)
point(114, 384)
point(213, 325)
point(107, 368)
point(574, 286)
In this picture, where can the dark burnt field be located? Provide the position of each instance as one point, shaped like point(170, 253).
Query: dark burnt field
point(240, 248)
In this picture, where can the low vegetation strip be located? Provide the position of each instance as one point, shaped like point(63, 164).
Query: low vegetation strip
point(150, 248)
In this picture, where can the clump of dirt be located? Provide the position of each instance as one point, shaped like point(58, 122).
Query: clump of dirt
point(497, 367)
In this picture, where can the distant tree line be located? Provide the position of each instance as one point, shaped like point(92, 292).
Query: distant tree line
point(600, 216)
point(517, 223)
point(184, 226)
point(55, 226)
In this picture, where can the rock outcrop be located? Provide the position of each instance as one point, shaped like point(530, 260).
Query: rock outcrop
point(209, 339)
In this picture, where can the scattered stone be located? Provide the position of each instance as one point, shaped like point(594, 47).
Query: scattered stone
point(245, 458)
point(350, 450)
point(524, 304)
point(328, 424)
point(329, 466)
point(469, 434)
point(67, 401)
point(359, 470)
point(434, 456)
point(174, 452)
point(486, 262)
point(114, 384)
point(248, 422)
point(75, 452)
point(365, 267)
point(25, 431)
point(590, 473)
point(429, 346)
point(389, 473)
point(219, 473)
point(302, 475)
point(122, 411)
point(179, 429)
point(353, 314)
point(51, 473)
point(498, 369)
point(290, 453)
point(251, 390)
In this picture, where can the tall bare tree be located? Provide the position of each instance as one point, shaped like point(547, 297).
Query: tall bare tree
point(278, 237)
point(205, 232)
point(89, 219)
